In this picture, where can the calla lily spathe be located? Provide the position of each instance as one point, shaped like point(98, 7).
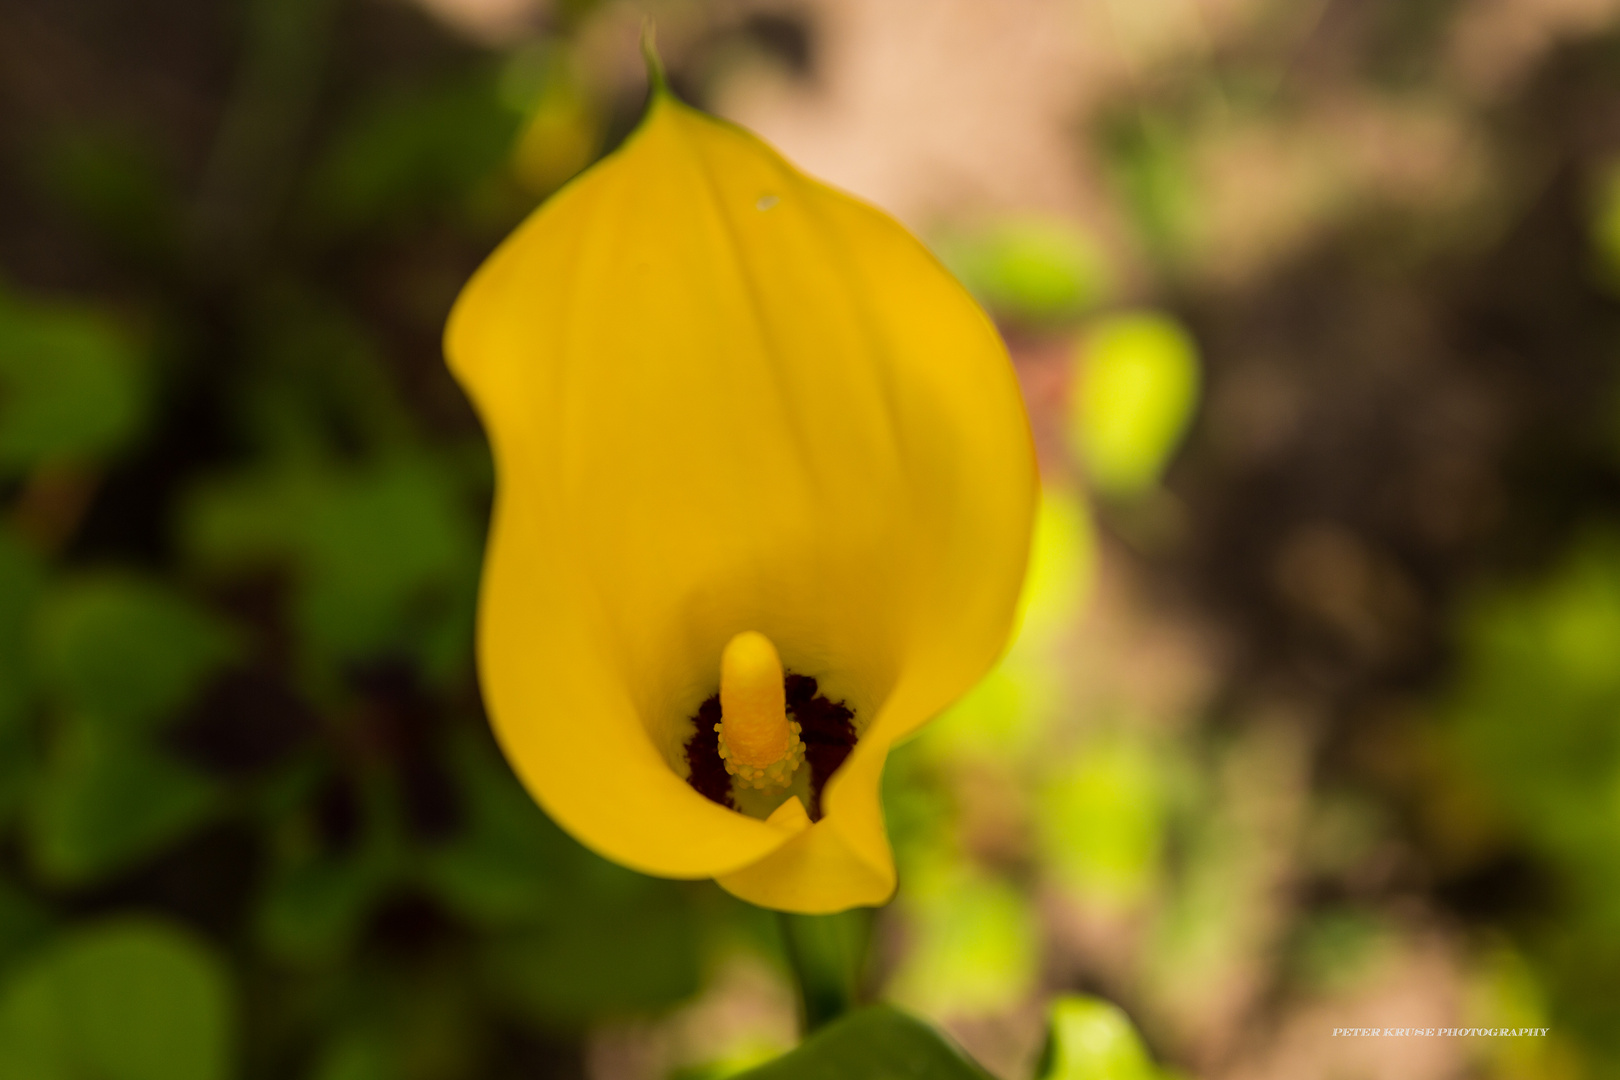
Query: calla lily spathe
point(724, 397)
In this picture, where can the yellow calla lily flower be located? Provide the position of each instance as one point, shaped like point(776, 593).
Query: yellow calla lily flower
point(765, 489)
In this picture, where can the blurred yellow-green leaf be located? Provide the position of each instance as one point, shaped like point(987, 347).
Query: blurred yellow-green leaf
point(1547, 651)
point(1062, 568)
point(1030, 271)
point(1104, 818)
point(973, 949)
point(1091, 1039)
point(71, 385)
point(563, 130)
point(131, 1000)
point(1136, 384)
point(1606, 224)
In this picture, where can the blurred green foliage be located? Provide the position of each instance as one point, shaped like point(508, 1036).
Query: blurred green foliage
point(1535, 721)
point(382, 556)
point(564, 129)
point(1102, 820)
point(403, 152)
point(877, 1043)
point(22, 580)
point(71, 385)
point(1093, 1040)
point(1147, 159)
point(1031, 272)
point(136, 1000)
point(1136, 384)
point(974, 946)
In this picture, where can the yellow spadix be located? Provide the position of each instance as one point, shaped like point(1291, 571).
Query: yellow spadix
point(759, 744)
point(723, 397)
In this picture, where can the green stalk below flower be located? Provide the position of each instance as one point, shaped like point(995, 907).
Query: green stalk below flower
point(827, 954)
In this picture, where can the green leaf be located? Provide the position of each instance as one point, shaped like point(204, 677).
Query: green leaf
point(826, 953)
point(23, 923)
point(503, 867)
point(136, 1000)
point(1136, 385)
point(105, 799)
point(22, 581)
point(311, 910)
point(365, 1055)
point(114, 182)
point(973, 948)
point(1547, 650)
point(582, 937)
point(411, 152)
point(320, 888)
point(1093, 1040)
point(383, 555)
point(1605, 222)
point(1062, 569)
point(601, 955)
point(70, 385)
point(878, 1043)
point(1103, 820)
point(1029, 270)
point(317, 384)
point(128, 652)
point(564, 129)
point(120, 656)
point(1148, 161)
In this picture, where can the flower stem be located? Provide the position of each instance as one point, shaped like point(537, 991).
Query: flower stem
point(828, 955)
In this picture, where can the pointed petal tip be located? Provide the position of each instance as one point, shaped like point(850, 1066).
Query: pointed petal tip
point(657, 81)
point(790, 817)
